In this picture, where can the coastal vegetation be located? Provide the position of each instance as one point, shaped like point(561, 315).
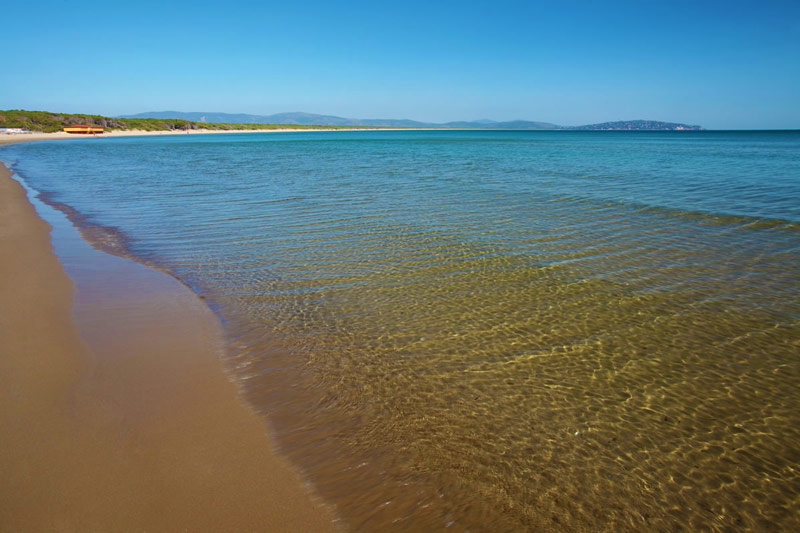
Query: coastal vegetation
point(48, 122)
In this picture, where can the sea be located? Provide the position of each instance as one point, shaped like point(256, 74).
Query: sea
point(486, 330)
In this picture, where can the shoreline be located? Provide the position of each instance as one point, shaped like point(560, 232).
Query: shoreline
point(9, 138)
point(114, 404)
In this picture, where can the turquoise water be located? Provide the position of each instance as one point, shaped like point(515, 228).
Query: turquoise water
point(505, 330)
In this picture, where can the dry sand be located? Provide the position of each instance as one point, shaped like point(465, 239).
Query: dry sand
point(116, 414)
point(23, 137)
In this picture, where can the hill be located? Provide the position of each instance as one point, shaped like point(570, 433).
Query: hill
point(294, 118)
point(331, 120)
point(638, 125)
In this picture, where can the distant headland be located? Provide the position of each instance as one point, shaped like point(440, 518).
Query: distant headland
point(46, 121)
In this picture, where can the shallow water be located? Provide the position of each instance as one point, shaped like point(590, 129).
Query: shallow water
point(489, 330)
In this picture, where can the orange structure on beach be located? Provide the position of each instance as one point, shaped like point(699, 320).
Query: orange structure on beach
point(83, 128)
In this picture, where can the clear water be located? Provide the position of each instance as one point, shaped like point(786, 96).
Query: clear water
point(488, 330)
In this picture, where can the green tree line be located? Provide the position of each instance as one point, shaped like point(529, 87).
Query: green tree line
point(47, 122)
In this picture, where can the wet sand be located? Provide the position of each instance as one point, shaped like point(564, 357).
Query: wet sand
point(115, 411)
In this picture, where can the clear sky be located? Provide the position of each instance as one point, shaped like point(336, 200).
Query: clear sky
point(721, 64)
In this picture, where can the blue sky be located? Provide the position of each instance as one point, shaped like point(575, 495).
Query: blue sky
point(732, 64)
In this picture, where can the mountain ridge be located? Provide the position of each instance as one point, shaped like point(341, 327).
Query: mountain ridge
point(308, 119)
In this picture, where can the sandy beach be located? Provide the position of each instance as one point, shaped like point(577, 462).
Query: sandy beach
point(24, 137)
point(35, 136)
point(115, 410)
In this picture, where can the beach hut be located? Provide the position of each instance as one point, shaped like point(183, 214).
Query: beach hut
point(83, 129)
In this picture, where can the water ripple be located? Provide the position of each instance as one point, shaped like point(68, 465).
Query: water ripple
point(522, 331)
